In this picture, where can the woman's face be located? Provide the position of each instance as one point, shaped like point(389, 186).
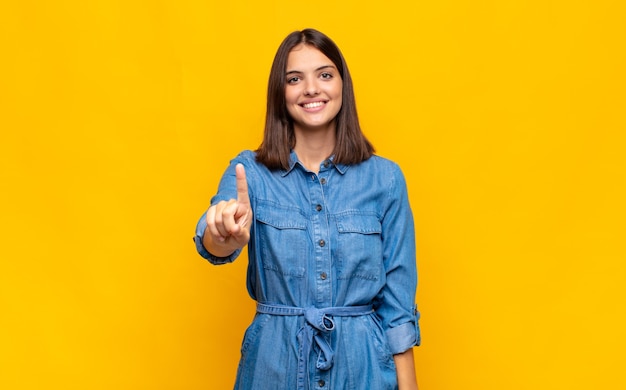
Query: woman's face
point(313, 90)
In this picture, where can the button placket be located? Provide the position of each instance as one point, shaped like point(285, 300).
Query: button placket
point(320, 232)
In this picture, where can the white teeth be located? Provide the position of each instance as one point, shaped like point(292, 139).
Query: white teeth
point(313, 105)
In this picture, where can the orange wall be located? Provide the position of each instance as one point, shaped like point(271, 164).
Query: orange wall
point(118, 117)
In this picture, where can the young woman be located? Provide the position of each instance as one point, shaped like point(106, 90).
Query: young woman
point(330, 237)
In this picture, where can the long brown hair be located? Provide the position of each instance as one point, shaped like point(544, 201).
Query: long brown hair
point(351, 147)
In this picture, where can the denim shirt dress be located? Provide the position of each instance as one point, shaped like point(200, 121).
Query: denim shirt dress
point(331, 264)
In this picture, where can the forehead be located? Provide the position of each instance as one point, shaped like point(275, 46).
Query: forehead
point(306, 57)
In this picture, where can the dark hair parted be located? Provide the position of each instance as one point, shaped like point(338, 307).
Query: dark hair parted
point(351, 147)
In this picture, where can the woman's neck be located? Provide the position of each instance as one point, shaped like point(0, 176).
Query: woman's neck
point(313, 147)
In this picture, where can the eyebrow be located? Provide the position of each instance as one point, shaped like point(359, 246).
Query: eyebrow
point(318, 69)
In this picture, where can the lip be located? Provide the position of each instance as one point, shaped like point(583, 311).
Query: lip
point(317, 105)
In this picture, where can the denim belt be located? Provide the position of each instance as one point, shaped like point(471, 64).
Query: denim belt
point(316, 322)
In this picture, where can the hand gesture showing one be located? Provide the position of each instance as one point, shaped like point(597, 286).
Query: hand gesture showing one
point(228, 222)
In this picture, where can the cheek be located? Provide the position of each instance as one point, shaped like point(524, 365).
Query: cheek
point(339, 98)
point(290, 110)
point(339, 92)
point(291, 96)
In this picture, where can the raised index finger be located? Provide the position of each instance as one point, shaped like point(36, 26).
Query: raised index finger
point(242, 185)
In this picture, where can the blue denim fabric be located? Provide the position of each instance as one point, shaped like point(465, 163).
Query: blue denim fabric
point(341, 238)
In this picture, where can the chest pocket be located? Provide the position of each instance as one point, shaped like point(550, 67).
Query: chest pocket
point(359, 250)
point(282, 238)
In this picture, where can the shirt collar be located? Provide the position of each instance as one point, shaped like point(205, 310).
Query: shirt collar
point(293, 161)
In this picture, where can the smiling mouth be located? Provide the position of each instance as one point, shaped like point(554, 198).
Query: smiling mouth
point(313, 105)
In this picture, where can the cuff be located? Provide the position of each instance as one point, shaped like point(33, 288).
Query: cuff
point(405, 336)
point(200, 228)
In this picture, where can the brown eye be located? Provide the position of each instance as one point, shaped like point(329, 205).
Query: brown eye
point(293, 80)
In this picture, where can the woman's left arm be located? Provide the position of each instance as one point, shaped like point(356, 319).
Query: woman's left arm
point(405, 370)
point(397, 310)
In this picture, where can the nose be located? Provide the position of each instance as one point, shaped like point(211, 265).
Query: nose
point(311, 88)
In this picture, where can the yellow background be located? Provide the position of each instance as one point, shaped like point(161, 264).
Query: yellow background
point(118, 117)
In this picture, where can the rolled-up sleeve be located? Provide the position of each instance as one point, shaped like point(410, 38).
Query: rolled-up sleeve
point(200, 228)
point(397, 309)
point(404, 336)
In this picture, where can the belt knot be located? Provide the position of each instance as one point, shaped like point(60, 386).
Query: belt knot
point(318, 322)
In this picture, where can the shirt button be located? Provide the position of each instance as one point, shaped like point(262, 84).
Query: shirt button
point(323, 181)
point(318, 207)
point(326, 164)
point(321, 383)
point(322, 243)
point(323, 276)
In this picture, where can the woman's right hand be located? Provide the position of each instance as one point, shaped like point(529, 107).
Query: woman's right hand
point(228, 222)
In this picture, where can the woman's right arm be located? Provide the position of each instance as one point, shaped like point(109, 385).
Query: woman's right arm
point(228, 222)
